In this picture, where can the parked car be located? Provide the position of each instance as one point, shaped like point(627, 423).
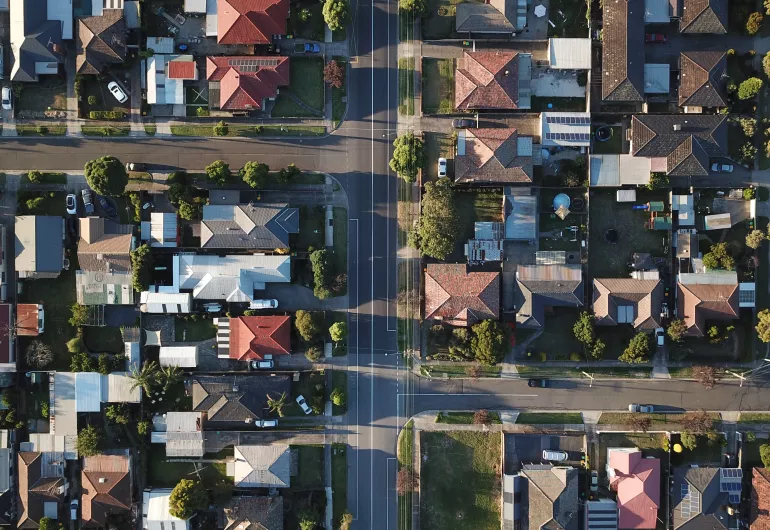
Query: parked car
point(267, 424)
point(133, 166)
point(554, 456)
point(722, 168)
point(74, 510)
point(263, 304)
point(7, 98)
point(542, 383)
point(303, 404)
point(116, 91)
point(212, 308)
point(442, 167)
point(107, 207)
point(261, 365)
point(72, 204)
point(660, 336)
point(88, 201)
point(594, 481)
point(664, 310)
point(635, 407)
point(655, 38)
point(463, 123)
point(312, 48)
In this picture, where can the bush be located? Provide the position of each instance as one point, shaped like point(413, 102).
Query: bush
point(482, 417)
point(338, 397)
point(141, 264)
point(188, 497)
point(749, 193)
point(751, 437)
point(764, 454)
point(319, 262)
point(35, 176)
point(89, 441)
point(637, 349)
point(314, 354)
point(202, 112)
point(657, 181)
point(490, 342)
point(749, 88)
point(289, 173)
point(41, 130)
point(754, 23)
point(748, 153)
point(190, 211)
point(109, 115)
point(749, 126)
point(754, 239)
point(221, 129)
point(308, 324)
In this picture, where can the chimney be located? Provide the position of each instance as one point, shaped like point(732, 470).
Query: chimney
point(102, 480)
point(677, 126)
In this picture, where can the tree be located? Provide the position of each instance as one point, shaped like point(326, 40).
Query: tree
point(697, 422)
point(482, 417)
point(413, 7)
point(117, 413)
point(276, 405)
point(657, 181)
point(39, 354)
point(188, 497)
point(308, 324)
point(334, 74)
point(435, 232)
point(338, 397)
point(336, 14)
point(749, 194)
point(308, 519)
point(104, 364)
point(640, 422)
point(460, 344)
point(255, 174)
point(763, 325)
point(319, 262)
point(676, 329)
point(748, 152)
point(141, 265)
point(46, 523)
point(219, 172)
point(168, 376)
point(490, 342)
point(338, 331)
point(764, 454)
point(190, 211)
point(79, 315)
point(754, 239)
point(89, 441)
point(314, 354)
point(408, 156)
point(766, 63)
point(597, 350)
point(705, 375)
point(81, 362)
point(35, 176)
point(718, 258)
point(288, 173)
point(749, 88)
point(584, 330)
point(689, 441)
point(146, 377)
point(749, 126)
point(221, 129)
point(143, 427)
point(754, 23)
point(178, 192)
point(106, 176)
point(346, 520)
point(637, 349)
point(404, 481)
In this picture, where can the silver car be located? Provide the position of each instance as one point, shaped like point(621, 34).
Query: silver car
point(646, 409)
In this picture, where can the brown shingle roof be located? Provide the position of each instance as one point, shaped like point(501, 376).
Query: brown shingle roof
point(487, 80)
point(760, 499)
point(461, 298)
point(623, 50)
point(35, 490)
point(106, 488)
point(104, 246)
point(697, 303)
point(704, 16)
point(701, 75)
point(100, 41)
point(644, 295)
point(491, 155)
point(254, 513)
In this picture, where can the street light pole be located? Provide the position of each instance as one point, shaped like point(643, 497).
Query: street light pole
point(589, 376)
point(743, 377)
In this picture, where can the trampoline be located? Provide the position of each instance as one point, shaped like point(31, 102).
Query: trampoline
point(560, 200)
point(604, 133)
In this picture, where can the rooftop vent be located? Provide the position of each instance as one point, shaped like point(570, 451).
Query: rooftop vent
point(677, 126)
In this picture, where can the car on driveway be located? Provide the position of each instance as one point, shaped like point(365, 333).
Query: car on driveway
point(107, 207)
point(594, 481)
point(635, 407)
point(655, 38)
point(88, 201)
point(660, 336)
point(722, 168)
point(116, 91)
point(74, 510)
point(554, 456)
point(442, 167)
point(72, 204)
point(541, 383)
point(133, 166)
point(7, 98)
point(303, 404)
point(261, 365)
point(463, 123)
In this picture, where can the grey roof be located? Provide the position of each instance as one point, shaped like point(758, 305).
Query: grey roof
point(704, 74)
point(39, 243)
point(623, 51)
point(253, 513)
point(262, 466)
point(40, 37)
point(686, 148)
point(704, 16)
point(550, 499)
point(486, 18)
point(263, 226)
point(236, 398)
point(697, 499)
point(541, 286)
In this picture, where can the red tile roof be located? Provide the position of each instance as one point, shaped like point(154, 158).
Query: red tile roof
point(26, 320)
point(181, 70)
point(250, 21)
point(487, 80)
point(251, 338)
point(637, 481)
point(760, 499)
point(106, 489)
point(700, 302)
point(461, 298)
point(245, 82)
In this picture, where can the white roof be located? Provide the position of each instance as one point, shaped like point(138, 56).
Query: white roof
point(116, 388)
point(163, 226)
point(708, 278)
point(88, 391)
point(165, 302)
point(160, 45)
point(719, 221)
point(565, 128)
point(618, 170)
point(64, 411)
point(572, 54)
point(181, 356)
point(194, 6)
point(161, 90)
point(211, 18)
point(657, 12)
point(61, 10)
point(656, 78)
point(625, 196)
point(155, 512)
point(231, 278)
point(183, 421)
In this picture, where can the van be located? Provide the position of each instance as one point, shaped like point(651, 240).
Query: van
point(266, 424)
point(554, 456)
point(264, 304)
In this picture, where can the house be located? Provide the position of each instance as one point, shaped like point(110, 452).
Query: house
point(235, 400)
point(7, 350)
point(497, 17)
point(759, 518)
point(163, 302)
point(105, 481)
point(458, 297)
point(545, 497)
point(181, 432)
point(39, 246)
point(252, 513)
point(600, 514)
point(679, 144)
point(261, 466)
point(104, 288)
point(544, 286)
point(628, 301)
point(493, 156)
point(703, 79)
point(706, 296)
point(249, 338)
point(637, 483)
point(100, 42)
point(703, 16)
point(179, 356)
point(618, 170)
point(246, 83)
point(156, 514)
point(7, 479)
point(30, 320)
point(255, 226)
point(246, 21)
point(104, 246)
point(166, 75)
point(623, 51)
point(37, 28)
point(42, 486)
point(706, 498)
point(494, 80)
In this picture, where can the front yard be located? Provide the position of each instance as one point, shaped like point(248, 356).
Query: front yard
point(307, 84)
point(438, 85)
point(438, 145)
point(310, 467)
point(312, 387)
point(650, 444)
point(50, 93)
point(439, 23)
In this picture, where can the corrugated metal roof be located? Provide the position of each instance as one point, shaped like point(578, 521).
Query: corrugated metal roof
point(571, 272)
point(709, 278)
point(65, 418)
point(719, 221)
point(194, 6)
point(161, 45)
point(181, 356)
point(520, 216)
point(88, 392)
point(184, 421)
point(618, 170)
point(571, 54)
point(132, 352)
point(155, 511)
point(116, 388)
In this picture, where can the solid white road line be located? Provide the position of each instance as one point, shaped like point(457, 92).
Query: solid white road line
point(371, 300)
point(452, 394)
point(358, 424)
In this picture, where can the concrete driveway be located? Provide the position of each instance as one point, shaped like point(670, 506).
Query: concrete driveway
point(528, 449)
point(292, 296)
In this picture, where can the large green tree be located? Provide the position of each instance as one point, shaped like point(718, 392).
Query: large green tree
point(336, 14)
point(749, 88)
point(106, 176)
point(637, 350)
point(435, 232)
point(188, 497)
point(255, 174)
point(309, 324)
point(338, 331)
point(89, 441)
point(408, 156)
point(490, 342)
point(319, 262)
point(219, 172)
point(584, 330)
point(676, 329)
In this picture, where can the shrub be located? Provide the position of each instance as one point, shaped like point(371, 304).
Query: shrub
point(749, 126)
point(749, 88)
point(41, 130)
point(92, 100)
point(749, 193)
point(35, 176)
point(314, 354)
point(748, 153)
point(221, 129)
point(482, 417)
point(764, 454)
point(109, 115)
point(754, 239)
point(219, 172)
point(289, 173)
point(201, 112)
point(754, 23)
point(751, 437)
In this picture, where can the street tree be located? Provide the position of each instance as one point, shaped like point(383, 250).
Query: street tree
point(435, 232)
point(766, 63)
point(764, 454)
point(584, 330)
point(336, 14)
point(187, 497)
point(190, 211)
point(338, 397)
point(490, 342)
point(89, 441)
point(338, 331)
point(288, 174)
point(255, 174)
point(308, 324)
point(637, 350)
point(334, 74)
point(319, 263)
point(219, 172)
point(754, 239)
point(276, 404)
point(314, 354)
point(697, 422)
point(39, 354)
point(408, 156)
point(676, 329)
point(106, 176)
point(763, 325)
point(413, 7)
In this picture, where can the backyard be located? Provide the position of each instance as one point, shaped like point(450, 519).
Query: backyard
point(613, 145)
point(312, 27)
point(166, 473)
point(103, 339)
point(472, 206)
point(438, 84)
point(50, 93)
point(569, 19)
point(461, 457)
point(311, 228)
point(307, 84)
point(310, 467)
point(312, 387)
point(193, 330)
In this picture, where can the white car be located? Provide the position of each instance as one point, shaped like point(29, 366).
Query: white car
point(722, 168)
point(212, 308)
point(116, 91)
point(72, 204)
point(660, 336)
point(266, 424)
point(442, 167)
point(303, 404)
point(7, 99)
point(263, 304)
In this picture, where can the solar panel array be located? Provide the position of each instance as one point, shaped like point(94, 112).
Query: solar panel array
point(252, 65)
point(690, 504)
point(575, 137)
point(731, 472)
point(569, 120)
point(730, 483)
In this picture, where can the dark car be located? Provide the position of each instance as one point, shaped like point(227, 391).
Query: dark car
point(312, 48)
point(107, 207)
point(653, 38)
point(542, 383)
point(463, 123)
point(88, 201)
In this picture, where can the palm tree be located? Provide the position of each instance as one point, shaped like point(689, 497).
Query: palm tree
point(277, 404)
point(146, 377)
point(168, 376)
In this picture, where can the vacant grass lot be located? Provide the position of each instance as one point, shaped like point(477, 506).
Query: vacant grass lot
point(453, 458)
point(194, 330)
point(166, 473)
point(49, 93)
point(310, 470)
point(406, 86)
point(438, 85)
point(472, 206)
point(307, 83)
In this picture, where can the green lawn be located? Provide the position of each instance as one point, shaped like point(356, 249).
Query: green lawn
point(106, 339)
point(166, 473)
point(438, 85)
point(340, 381)
point(451, 459)
point(704, 453)
point(339, 482)
point(110, 130)
point(340, 256)
point(540, 104)
point(194, 330)
point(310, 385)
point(404, 454)
point(249, 131)
point(406, 86)
point(621, 418)
point(454, 370)
point(473, 206)
point(150, 130)
point(307, 83)
point(612, 146)
point(313, 27)
point(338, 105)
point(754, 417)
point(463, 418)
point(439, 23)
point(541, 418)
point(310, 469)
point(291, 130)
point(174, 400)
point(43, 130)
point(311, 228)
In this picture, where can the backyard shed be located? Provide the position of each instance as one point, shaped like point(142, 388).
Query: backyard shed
point(180, 356)
point(520, 214)
point(625, 196)
point(569, 54)
point(656, 206)
point(720, 221)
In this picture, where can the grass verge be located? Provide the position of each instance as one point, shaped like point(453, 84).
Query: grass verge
point(41, 130)
point(453, 371)
point(340, 255)
point(110, 130)
point(754, 417)
point(339, 482)
point(340, 382)
point(543, 418)
point(404, 455)
point(463, 418)
point(406, 86)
